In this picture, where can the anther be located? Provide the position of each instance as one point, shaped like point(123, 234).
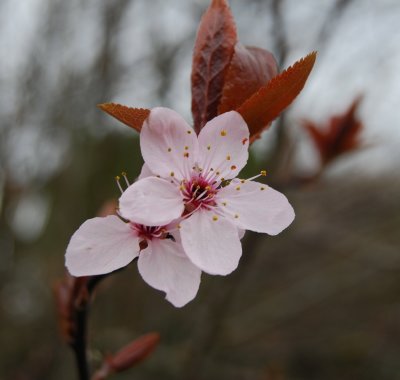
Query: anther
point(117, 178)
point(189, 132)
point(125, 178)
point(233, 167)
point(208, 147)
point(228, 157)
point(215, 218)
point(186, 147)
point(244, 141)
point(223, 132)
point(236, 216)
point(224, 203)
point(172, 174)
point(169, 149)
point(238, 188)
point(242, 180)
point(262, 188)
point(186, 154)
point(263, 173)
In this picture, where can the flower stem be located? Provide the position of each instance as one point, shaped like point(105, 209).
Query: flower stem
point(79, 345)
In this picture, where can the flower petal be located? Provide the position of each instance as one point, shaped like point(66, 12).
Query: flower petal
point(101, 245)
point(254, 206)
point(169, 145)
point(212, 245)
point(224, 144)
point(164, 266)
point(145, 172)
point(151, 201)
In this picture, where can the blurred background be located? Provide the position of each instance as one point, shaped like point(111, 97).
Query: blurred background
point(319, 301)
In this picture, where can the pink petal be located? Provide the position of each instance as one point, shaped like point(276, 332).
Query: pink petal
point(254, 206)
point(151, 201)
point(169, 145)
point(212, 245)
point(145, 172)
point(101, 245)
point(224, 144)
point(164, 266)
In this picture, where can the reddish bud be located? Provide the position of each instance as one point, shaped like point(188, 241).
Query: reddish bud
point(71, 294)
point(128, 356)
point(341, 134)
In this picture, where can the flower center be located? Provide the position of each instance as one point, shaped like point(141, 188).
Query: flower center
point(147, 232)
point(199, 192)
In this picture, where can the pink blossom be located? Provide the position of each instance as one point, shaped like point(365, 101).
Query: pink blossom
point(194, 177)
point(102, 245)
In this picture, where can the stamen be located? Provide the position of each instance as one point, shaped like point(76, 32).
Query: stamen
point(169, 149)
point(223, 132)
point(228, 157)
point(262, 173)
point(262, 188)
point(233, 167)
point(117, 178)
point(236, 216)
point(126, 178)
point(186, 147)
point(238, 188)
point(186, 154)
point(215, 218)
point(244, 141)
point(208, 147)
point(189, 132)
point(172, 174)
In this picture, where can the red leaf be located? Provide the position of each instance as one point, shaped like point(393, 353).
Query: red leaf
point(134, 352)
point(214, 47)
point(249, 70)
point(265, 105)
point(340, 135)
point(132, 117)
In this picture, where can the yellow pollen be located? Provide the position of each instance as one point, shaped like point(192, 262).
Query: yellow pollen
point(233, 167)
point(215, 218)
point(186, 154)
point(123, 173)
point(224, 203)
point(238, 188)
point(262, 188)
point(189, 132)
point(222, 179)
point(181, 188)
point(223, 132)
point(263, 172)
point(169, 149)
point(172, 174)
point(236, 216)
point(228, 157)
point(217, 173)
point(242, 180)
point(117, 177)
point(208, 188)
point(186, 147)
point(178, 226)
point(209, 147)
